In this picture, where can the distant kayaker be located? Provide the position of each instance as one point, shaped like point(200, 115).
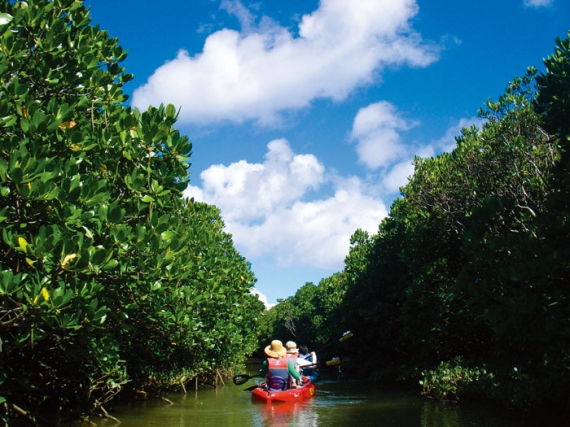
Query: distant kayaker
point(310, 358)
point(278, 368)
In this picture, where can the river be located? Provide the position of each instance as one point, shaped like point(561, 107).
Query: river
point(339, 402)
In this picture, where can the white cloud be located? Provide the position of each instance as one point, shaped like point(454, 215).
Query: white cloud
point(265, 70)
point(251, 190)
point(276, 208)
point(376, 129)
point(537, 3)
point(262, 298)
point(264, 207)
point(398, 176)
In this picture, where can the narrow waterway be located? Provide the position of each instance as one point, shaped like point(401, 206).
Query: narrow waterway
point(339, 402)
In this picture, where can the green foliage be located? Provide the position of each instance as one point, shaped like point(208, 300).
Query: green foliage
point(553, 100)
point(108, 276)
point(553, 105)
point(308, 316)
point(466, 280)
point(450, 380)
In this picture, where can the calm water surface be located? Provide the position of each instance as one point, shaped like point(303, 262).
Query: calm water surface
point(337, 403)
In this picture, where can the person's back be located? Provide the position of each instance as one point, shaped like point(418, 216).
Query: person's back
point(279, 368)
point(277, 373)
point(308, 357)
point(304, 354)
point(293, 354)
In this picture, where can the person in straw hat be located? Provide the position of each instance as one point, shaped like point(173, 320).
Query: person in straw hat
point(278, 368)
point(305, 362)
point(292, 350)
point(293, 354)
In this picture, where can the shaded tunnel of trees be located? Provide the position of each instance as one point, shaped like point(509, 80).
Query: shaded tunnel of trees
point(112, 283)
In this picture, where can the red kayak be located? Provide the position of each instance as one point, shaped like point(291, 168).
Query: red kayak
point(299, 394)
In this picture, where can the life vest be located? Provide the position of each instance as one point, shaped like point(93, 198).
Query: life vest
point(277, 373)
point(293, 357)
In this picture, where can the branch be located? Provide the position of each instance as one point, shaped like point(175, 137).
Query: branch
point(24, 413)
point(106, 414)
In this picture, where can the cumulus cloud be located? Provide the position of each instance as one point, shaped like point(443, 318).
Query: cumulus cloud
point(376, 130)
point(266, 207)
point(250, 190)
point(398, 176)
point(294, 210)
point(266, 70)
point(537, 3)
point(262, 298)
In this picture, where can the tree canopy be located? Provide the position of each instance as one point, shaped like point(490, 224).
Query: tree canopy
point(464, 289)
point(109, 279)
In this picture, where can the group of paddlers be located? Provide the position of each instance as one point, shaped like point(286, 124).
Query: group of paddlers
point(285, 365)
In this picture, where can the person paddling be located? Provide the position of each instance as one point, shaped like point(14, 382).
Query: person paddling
point(310, 358)
point(292, 351)
point(293, 355)
point(278, 368)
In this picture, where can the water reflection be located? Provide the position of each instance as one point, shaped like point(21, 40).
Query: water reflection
point(337, 403)
point(284, 415)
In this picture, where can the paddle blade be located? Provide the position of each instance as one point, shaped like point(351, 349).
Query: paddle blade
point(241, 379)
point(333, 362)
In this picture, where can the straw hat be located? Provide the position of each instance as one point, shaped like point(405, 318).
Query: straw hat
point(291, 347)
point(275, 349)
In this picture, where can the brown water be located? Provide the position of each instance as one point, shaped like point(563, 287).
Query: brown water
point(337, 403)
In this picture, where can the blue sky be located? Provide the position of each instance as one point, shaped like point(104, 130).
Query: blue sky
point(305, 115)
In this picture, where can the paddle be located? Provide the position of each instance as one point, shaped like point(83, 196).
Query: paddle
point(336, 361)
point(243, 378)
point(341, 338)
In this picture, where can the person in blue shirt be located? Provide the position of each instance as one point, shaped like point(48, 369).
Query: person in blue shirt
point(309, 371)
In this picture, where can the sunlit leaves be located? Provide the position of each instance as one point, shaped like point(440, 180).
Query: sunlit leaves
point(5, 18)
point(102, 260)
